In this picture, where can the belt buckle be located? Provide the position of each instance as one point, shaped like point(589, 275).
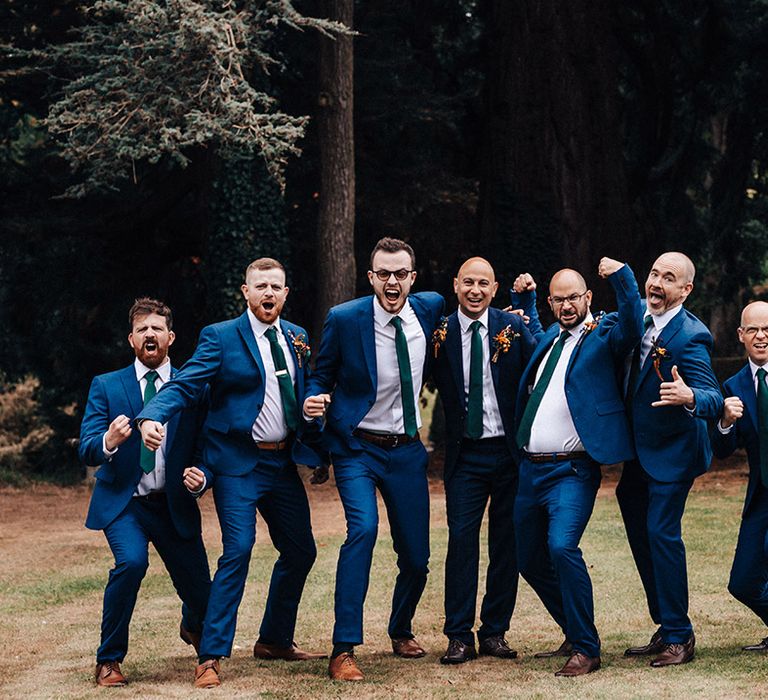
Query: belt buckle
point(397, 440)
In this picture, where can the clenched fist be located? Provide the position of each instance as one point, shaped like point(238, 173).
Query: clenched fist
point(733, 409)
point(118, 432)
point(608, 266)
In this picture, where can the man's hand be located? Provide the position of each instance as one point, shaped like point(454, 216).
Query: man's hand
point(314, 406)
point(608, 266)
point(517, 312)
point(194, 479)
point(524, 283)
point(733, 409)
point(119, 431)
point(152, 434)
point(676, 392)
point(319, 475)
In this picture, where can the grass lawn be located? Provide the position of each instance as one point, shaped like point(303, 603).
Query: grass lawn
point(53, 573)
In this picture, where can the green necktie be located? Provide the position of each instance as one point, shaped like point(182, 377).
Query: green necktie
point(634, 370)
point(762, 419)
point(287, 393)
point(147, 458)
point(406, 380)
point(524, 431)
point(475, 401)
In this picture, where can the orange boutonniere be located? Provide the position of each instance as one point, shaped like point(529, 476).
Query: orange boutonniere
point(658, 353)
point(300, 345)
point(439, 334)
point(502, 341)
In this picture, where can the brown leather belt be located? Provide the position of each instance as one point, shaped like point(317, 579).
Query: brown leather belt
point(539, 457)
point(151, 497)
point(282, 445)
point(382, 440)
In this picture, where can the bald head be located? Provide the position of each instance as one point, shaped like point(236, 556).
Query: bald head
point(753, 332)
point(669, 282)
point(754, 312)
point(568, 277)
point(569, 298)
point(681, 262)
point(475, 286)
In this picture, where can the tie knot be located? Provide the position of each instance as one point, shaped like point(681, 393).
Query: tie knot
point(761, 374)
point(475, 326)
point(271, 334)
point(647, 322)
point(397, 322)
point(563, 336)
point(151, 376)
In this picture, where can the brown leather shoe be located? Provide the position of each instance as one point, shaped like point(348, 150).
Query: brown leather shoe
point(674, 654)
point(760, 646)
point(207, 674)
point(496, 646)
point(407, 648)
point(579, 664)
point(655, 646)
point(565, 649)
point(271, 652)
point(189, 637)
point(344, 668)
point(109, 675)
point(458, 652)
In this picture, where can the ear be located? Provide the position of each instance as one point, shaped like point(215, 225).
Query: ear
point(455, 285)
point(589, 297)
point(244, 290)
point(494, 289)
point(171, 337)
point(286, 290)
point(740, 332)
point(370, 277)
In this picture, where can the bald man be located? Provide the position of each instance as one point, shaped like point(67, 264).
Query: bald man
point(478, 388)
point(571, 419)
point(671, 393)
point(744, 423)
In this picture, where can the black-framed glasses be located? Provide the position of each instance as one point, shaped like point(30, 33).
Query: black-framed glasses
point(752, 330)
point(571, 299)
point(384, 275)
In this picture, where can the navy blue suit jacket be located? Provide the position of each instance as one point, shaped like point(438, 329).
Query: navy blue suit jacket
point(593, 380)
point(118, 393)
point(346, 364)
point(227, 358)
point(744, 432)
point(673, 445)
point(448, 374)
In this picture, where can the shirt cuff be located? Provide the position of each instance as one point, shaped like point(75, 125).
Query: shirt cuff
point(108, 454)
point(722, 430)
point(201, 489)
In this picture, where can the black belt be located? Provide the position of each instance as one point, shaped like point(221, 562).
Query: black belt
point(538, 457)
point(152, 497)
point(382, 440)
point(499, 440)
point(283, 444)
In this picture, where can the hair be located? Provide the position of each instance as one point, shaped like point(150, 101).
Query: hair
point(264, 264)
point(392, 245)
point(143, 306)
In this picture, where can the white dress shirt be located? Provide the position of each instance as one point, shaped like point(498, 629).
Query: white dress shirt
point(269, 425)
point(655, 329)
point(553, 429)
point(752, 368)
point(155, 480)
point(386, 415)
point(492, 425)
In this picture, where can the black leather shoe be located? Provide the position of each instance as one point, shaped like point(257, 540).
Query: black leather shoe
point(674, 654)
point(496, 646)
point(655, 646)
point(458, 652)
point(565, 649)
point(760, 646)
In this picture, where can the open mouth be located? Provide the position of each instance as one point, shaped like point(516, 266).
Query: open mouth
point(392, 295)
point(762, 345)
point(267, 305)
point(150, 345)
point(655, 298)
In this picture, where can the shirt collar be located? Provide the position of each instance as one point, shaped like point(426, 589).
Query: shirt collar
point(465, 321)
point(754, 367)
point(576, 331)
point(382, 317)
point(660, 321)
point(163, 370)
point(259, 328)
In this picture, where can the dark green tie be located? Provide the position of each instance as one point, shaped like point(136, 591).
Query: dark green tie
point(287, 393)
point(147, 458)
point(762, 416)
point(475, 401)
point(524, 431)
point(634, 370)
point(406, 379)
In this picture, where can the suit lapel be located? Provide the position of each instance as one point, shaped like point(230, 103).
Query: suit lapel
point(368, 339)
point(173, 423)
point(299, 372)
point(494, 328)
point(132, 390)
point(662, 339)
point(424, 322)
point(749, 395)
point(455, 355)
point(541, 349)
point(246, 332)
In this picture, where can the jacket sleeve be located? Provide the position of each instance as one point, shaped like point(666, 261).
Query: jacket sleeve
point(628, 331)
point(95, 424)
point(526, 301)
point(323, 378)
point(695, 367)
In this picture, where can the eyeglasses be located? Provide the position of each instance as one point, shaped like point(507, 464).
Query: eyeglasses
point(384, 275)
point(572, 299)
point(752, 330)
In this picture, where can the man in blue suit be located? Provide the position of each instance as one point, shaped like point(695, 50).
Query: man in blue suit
point(480, 353)
point(671, 393)
point(257, 367)
point(571, 419)
point(139, 496)
point(374, 357)
point(744, 423)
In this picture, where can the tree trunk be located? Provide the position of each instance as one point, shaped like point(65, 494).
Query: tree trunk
point(336, 217)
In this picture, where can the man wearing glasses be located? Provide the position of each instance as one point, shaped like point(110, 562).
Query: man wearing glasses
point(373, 358)
point(571, 419)
point(744, 423)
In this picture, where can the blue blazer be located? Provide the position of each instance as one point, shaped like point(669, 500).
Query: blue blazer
point(227, 358)
point(593, 380)
point(448, 375)
point(118, 393)
point(346, 364)
point(744, 432)
point(673, 445)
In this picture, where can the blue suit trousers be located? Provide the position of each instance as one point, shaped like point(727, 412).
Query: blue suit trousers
point(553, 506)
point(400, 476)
point(275, 489)
point(129, 536)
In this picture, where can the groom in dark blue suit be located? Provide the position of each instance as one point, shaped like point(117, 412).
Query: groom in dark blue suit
point(256, 366)
point(671, 394)
point(744, 423)
point(374, 357)
point(139, 496)
point(571, 420)
point(480, 353)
